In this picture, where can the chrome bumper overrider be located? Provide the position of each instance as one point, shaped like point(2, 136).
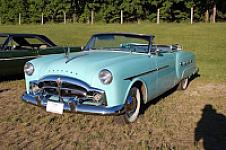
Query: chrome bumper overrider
point(74, 106)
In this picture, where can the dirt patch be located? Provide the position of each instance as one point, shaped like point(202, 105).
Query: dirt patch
point(211, 90)
point(171, 123)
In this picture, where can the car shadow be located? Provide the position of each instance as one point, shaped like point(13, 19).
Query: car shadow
point(144, 107)
point(211, 129)
point(197, 75)
point(4, 90)
point(13, 77)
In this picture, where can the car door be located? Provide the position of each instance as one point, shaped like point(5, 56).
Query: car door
point(12, 61)
point(166, 71)
point(18, 51)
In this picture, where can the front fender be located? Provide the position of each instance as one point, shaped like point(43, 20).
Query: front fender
point(132, 83)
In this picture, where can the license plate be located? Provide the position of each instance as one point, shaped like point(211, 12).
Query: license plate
point(55, 107)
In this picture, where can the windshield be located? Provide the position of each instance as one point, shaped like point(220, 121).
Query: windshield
point(2, 39)
point(118, 42)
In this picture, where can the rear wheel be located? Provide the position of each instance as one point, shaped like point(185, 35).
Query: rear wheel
point(183, 85)
point(132, 107)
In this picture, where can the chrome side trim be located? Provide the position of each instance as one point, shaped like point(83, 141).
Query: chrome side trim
point(74, 106)
point(147, 72)
point(185, 63)
point(17, 58)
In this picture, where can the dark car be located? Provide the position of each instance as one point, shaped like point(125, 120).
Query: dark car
point(16, 49)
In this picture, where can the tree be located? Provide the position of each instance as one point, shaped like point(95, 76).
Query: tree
point(56, 9)
point(77, 8)
point(109, 10)
point(10, 10)
point(36, 8)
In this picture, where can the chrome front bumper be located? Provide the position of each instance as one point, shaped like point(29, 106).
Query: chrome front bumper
point(74, 106)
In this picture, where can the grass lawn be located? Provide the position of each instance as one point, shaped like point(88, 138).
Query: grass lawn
point(207, 41)
point(172, 122)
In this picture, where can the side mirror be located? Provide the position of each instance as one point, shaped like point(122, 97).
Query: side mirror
point(157, 52)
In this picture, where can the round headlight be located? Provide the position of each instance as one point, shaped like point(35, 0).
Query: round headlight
point(29, 69)
point(105, 76)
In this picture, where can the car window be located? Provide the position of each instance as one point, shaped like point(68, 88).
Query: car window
point(163, 48)
point(26, 43)
point(2, 39)
point(33, 41)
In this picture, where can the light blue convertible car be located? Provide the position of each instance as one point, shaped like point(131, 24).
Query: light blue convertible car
point(113, 75)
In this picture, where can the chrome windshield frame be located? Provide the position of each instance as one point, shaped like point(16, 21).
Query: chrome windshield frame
point(148, 38)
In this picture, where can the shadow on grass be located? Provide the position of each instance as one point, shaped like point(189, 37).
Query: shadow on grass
point(211, 128)
point(169, 92)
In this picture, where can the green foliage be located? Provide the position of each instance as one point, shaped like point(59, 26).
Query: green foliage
point(9, 10)
point(36, 7)
point(108, 11)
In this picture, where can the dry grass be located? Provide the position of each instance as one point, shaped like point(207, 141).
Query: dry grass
point(168, 124)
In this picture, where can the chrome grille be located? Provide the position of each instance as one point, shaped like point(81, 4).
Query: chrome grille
point(67, 88)
point(63, 90)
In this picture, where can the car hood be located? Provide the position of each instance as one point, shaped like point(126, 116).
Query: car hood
point(85, 65)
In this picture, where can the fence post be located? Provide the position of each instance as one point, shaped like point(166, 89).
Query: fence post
point(42, 18)
point(19, 19)
point(88, 20)
point(206, 16)
point(64, 17)
point(192, 15)
point(158, 14)
point(121, 16)
point(214, 13)
point(92, 16)
point(74, 18)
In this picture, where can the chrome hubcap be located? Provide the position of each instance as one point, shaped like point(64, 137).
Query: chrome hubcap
point(131, 105)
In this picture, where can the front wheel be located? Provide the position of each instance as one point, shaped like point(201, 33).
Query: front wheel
point(132, 107)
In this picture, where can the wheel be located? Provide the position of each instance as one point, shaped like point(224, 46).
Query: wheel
point(132, 107)
point(183, 85)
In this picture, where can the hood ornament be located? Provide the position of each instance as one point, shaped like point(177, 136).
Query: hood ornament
point(67, 52)
point(59, 82)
